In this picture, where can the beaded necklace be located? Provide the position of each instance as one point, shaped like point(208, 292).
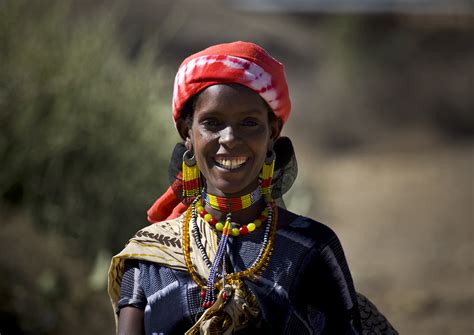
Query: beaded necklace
point(197, 239)
point(235, 228)
point(229, 205)
point(258, 265)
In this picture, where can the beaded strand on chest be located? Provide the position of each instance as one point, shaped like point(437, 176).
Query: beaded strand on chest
point(258, 265)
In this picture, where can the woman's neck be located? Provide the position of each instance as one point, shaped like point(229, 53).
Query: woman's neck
point(243, 208)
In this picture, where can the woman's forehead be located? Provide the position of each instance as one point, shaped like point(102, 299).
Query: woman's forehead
point(222, 97)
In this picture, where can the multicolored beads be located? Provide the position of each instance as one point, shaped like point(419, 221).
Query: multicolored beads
point(236, 229)
point(215, 278)
point(225, 204)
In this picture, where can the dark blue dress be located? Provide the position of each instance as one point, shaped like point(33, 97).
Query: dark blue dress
point(306, 289)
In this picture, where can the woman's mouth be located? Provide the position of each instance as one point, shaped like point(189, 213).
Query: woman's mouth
point(230, 163)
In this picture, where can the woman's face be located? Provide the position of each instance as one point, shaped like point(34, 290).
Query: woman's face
point(231, 134)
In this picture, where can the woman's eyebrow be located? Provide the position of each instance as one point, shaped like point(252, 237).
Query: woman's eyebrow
point(210, 112)
point(221, 111)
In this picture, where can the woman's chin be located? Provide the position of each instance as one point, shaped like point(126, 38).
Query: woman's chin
point(230, 188)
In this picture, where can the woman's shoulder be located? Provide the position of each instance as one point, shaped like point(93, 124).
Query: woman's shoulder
point(158, 242)
point(313, 232)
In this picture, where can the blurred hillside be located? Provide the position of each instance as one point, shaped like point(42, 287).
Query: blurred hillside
point(382, 124)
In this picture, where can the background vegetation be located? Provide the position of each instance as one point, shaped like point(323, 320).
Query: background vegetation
point(382, 125)
point(83, 146)
point(79, 119)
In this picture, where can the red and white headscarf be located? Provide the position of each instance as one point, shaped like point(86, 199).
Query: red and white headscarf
point(232, 63)
point(240, 63)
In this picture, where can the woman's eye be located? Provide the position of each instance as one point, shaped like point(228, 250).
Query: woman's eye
point(250, 123)
point(211, 123)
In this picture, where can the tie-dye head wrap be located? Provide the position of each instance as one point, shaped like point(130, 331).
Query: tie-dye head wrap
point(239, 62)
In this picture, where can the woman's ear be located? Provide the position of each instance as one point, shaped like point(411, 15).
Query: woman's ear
point(184, 129)
point(275, 129)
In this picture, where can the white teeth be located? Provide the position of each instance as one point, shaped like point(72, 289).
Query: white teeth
point(231, 163)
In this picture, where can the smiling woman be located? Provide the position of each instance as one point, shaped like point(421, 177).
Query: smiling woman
point(221, 256)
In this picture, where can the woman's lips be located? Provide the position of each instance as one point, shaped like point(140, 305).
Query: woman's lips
point(230, 163)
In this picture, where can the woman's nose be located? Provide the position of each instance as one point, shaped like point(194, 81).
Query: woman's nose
point(229, 137)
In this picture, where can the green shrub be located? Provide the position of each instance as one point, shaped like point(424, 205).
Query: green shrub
point(85, 133)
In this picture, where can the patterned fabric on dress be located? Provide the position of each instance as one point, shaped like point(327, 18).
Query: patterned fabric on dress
point(306, 289)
